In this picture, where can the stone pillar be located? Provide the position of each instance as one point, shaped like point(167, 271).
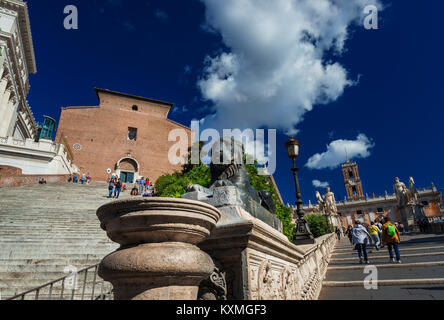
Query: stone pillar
point(4, 111)
point(158, 258)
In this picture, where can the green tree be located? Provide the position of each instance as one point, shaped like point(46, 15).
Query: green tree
point(318, 225)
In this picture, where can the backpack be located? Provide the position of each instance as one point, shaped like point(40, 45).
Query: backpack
point(391, 230)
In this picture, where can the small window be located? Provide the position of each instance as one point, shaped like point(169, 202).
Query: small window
point(132, 134)
point(350, 173)
point(426, 203)
point(380, 210)
point(135, 108)
point(359, 212)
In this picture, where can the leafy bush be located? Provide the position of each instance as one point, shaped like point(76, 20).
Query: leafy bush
point(318, 225)
point(175, 185)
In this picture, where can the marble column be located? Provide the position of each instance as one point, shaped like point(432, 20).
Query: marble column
point(5, 112)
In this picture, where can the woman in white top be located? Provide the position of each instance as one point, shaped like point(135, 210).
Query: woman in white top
point(361, 238)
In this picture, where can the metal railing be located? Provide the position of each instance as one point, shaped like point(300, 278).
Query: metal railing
point(69, 289)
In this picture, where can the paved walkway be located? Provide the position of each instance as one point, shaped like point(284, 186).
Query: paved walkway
point(419, 277)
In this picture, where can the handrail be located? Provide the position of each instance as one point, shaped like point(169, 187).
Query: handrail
point(37, 291)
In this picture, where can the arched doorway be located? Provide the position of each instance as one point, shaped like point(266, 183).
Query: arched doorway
point(127, 169)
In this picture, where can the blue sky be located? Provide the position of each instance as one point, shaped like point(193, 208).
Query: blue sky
point(382, 98)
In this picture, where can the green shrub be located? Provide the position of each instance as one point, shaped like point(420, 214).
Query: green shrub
point(318, 225)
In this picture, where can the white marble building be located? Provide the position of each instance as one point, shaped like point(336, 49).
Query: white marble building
point(18, 128)
point(17, 61)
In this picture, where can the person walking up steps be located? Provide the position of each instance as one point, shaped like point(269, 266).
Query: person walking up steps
point(373, 230)
point(349, 234)
point(391, 237)
point(338, 233)
point(117, 189)
point(110, 188)
point(141, 185)
point(361, 238)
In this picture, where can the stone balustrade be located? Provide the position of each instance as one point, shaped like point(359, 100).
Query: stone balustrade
point(258, 261)
point(47, 158)
point(42, 146)
point(170, 248)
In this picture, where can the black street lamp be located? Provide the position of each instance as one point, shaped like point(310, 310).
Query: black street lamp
point(303, 234)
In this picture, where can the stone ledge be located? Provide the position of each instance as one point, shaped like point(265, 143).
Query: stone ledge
point(394, 265)
point(13, 177)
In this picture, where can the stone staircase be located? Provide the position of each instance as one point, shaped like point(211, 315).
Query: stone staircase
point(46, 228)
point(420, 276)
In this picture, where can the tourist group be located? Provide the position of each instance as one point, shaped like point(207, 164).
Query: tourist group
point(379, 234)
point(143, 187)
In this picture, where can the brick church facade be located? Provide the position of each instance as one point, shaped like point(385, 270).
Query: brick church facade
point(125, 135)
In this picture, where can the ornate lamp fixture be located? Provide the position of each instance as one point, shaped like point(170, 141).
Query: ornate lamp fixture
point(303, 234)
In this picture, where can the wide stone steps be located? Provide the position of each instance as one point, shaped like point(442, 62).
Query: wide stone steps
point(57, 238)
point(419, 275)
point(45, 228)
point(24, 269)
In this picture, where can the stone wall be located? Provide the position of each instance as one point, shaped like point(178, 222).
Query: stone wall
point(435, 227)
point(36, 158)
point(13, 177)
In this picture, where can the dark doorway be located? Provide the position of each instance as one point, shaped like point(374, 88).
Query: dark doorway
point(127, 177)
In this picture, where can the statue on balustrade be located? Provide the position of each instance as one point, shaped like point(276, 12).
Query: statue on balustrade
point(400, 192)
point(414, 194)
point(403, 195)
point(330, 203)
point(228, 170)
point(321, 203)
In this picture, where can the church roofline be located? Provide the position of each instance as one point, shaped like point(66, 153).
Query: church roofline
point(126, 95)
point(179, 124)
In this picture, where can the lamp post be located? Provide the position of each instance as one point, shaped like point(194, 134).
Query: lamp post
point(303, 234)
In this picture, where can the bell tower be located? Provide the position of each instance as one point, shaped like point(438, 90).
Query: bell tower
point(352, 181)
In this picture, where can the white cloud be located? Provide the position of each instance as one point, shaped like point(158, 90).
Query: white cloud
point(319, 184)
point(276, 69)
point(336, 152)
